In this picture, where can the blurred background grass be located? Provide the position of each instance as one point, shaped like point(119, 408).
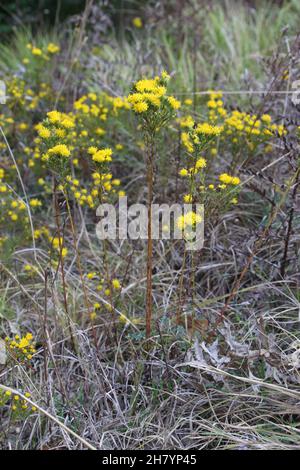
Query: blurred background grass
point(225, 42)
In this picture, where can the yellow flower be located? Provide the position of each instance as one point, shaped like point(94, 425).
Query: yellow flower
point(188, 220)
point(165, 75)
point(140, 107)
point(60, 149)
point(146, 84)
point(235, 180)
point(35, 203)
point(36, 51)
point(116, 284)
point(188, 198)
point(224, 178)
point(14, 217)
point(208, 129)
point(137, 22)
point(67, 123)
point(175, 104)
point(266, 118)
point(91, 275)
point(201, 163)
point(60, 132)
point(183, 172)
point(64, 252)
point(54, 116)
point(100, 131)
point(102, 156)
point(187, 121)
point(187, 142)
point(43, 132)
point(227, 179)
point(92, 150)
point(154, 100)
point(27, 268)
point(53, 48)
point(23, 126)
point(212, 104)
point(93, 315)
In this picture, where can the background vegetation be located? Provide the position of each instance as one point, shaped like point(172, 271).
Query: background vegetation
point(221, 367)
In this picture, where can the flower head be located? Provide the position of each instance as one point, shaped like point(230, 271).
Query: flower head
point(137, 22)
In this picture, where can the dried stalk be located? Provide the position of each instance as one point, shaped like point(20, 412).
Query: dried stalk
point(150, 164)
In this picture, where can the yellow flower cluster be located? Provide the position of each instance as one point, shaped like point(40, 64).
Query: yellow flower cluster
point(208, 129)
point(186, 122)
point(18, 405)
point(60, 149)
point(241, 123)
point(12, 208)
point(236, 127)
point(56, 133)
point(199, 164)
point(198, 136)
point(150, 95)
point(101, 156)
point(38, 233)
point(42, 52)
point(58, 244)
point(227, 179)
point(109, 289)
point(190, 219)
point(22, 348)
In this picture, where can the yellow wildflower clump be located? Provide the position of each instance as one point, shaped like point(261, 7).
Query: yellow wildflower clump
point(102, 156)
point(207, 129)
point(19, 406)
point(60, 149)
point(37, 51)
point(43, 131)
point(190, 219)
point(140, 107)
point(21, 348)
point(149, 98)
point(227, 179)
point(53, 48)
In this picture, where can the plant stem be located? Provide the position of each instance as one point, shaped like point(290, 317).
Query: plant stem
point(150, 161)
point(289, 228)
point(61, 260)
